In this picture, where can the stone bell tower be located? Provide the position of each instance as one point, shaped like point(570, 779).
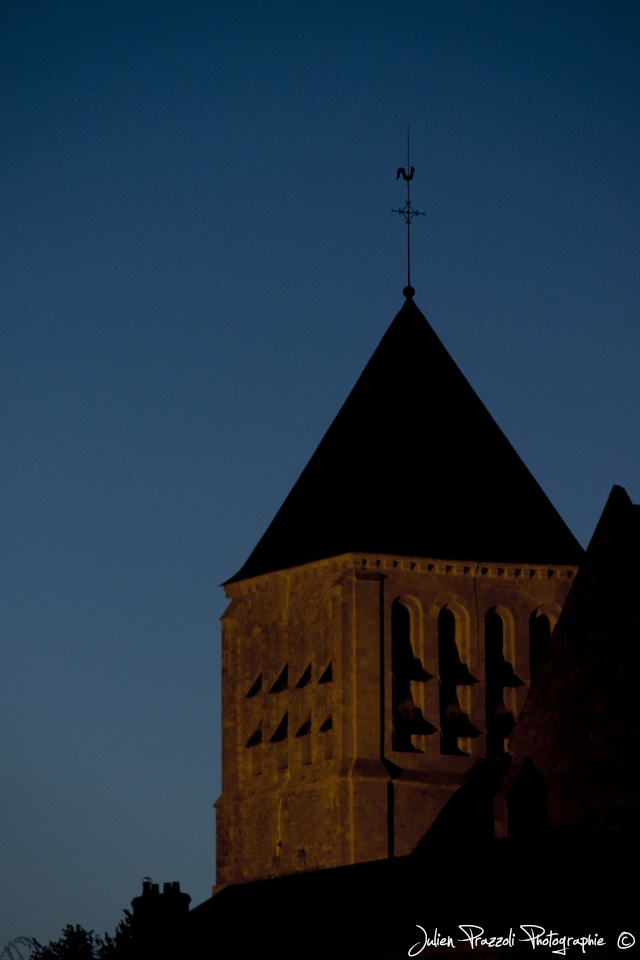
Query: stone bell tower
point(381, 638)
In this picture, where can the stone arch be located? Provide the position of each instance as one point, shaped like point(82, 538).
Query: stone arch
point(456, 679)
point(461, 621)
point(541, 624)
point(406, 668)
point(551, 610)
point(416, 616)
point(508, 632)
point(500, 678)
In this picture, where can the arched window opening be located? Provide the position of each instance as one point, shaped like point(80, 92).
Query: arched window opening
point(499, 675)
point(408, 720)
point(539, 636)
point(455, 725)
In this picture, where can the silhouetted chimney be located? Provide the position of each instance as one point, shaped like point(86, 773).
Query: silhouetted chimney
point(158, 919)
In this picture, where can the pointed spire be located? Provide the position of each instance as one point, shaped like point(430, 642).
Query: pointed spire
point(414, 465)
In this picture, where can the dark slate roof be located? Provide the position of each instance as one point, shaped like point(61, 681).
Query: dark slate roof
point(373, 910)
point(414, 464)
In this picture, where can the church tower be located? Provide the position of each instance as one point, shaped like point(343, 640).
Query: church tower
point(381, 638)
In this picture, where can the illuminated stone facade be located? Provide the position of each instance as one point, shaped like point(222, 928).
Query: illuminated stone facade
point(357, 693)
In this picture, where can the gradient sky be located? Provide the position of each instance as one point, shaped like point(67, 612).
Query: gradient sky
point(198, 259)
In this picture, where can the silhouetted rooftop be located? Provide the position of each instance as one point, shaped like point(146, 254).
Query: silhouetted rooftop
point(414, 465)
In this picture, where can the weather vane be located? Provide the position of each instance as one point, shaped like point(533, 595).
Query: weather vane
point(408, 213)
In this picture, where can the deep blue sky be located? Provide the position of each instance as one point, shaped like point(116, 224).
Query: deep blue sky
point(198, 259)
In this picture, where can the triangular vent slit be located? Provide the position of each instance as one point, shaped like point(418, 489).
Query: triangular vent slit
point(282, 731)
point(305, 728)
point(256, 736)
point(327, 676)
point(327, 725)
point(304, 679)
point(282, 682)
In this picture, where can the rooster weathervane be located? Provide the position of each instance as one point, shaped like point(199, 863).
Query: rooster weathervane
point(408, 213)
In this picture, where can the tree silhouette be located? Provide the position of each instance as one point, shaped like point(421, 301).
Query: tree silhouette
point(76, 943)
point(19, 949)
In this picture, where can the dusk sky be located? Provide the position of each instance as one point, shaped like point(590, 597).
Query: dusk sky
point(198, 258)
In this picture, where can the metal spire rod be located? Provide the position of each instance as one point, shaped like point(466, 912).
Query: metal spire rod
point(408, 213)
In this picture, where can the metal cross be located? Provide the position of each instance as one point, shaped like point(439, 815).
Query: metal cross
point(408, 213)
